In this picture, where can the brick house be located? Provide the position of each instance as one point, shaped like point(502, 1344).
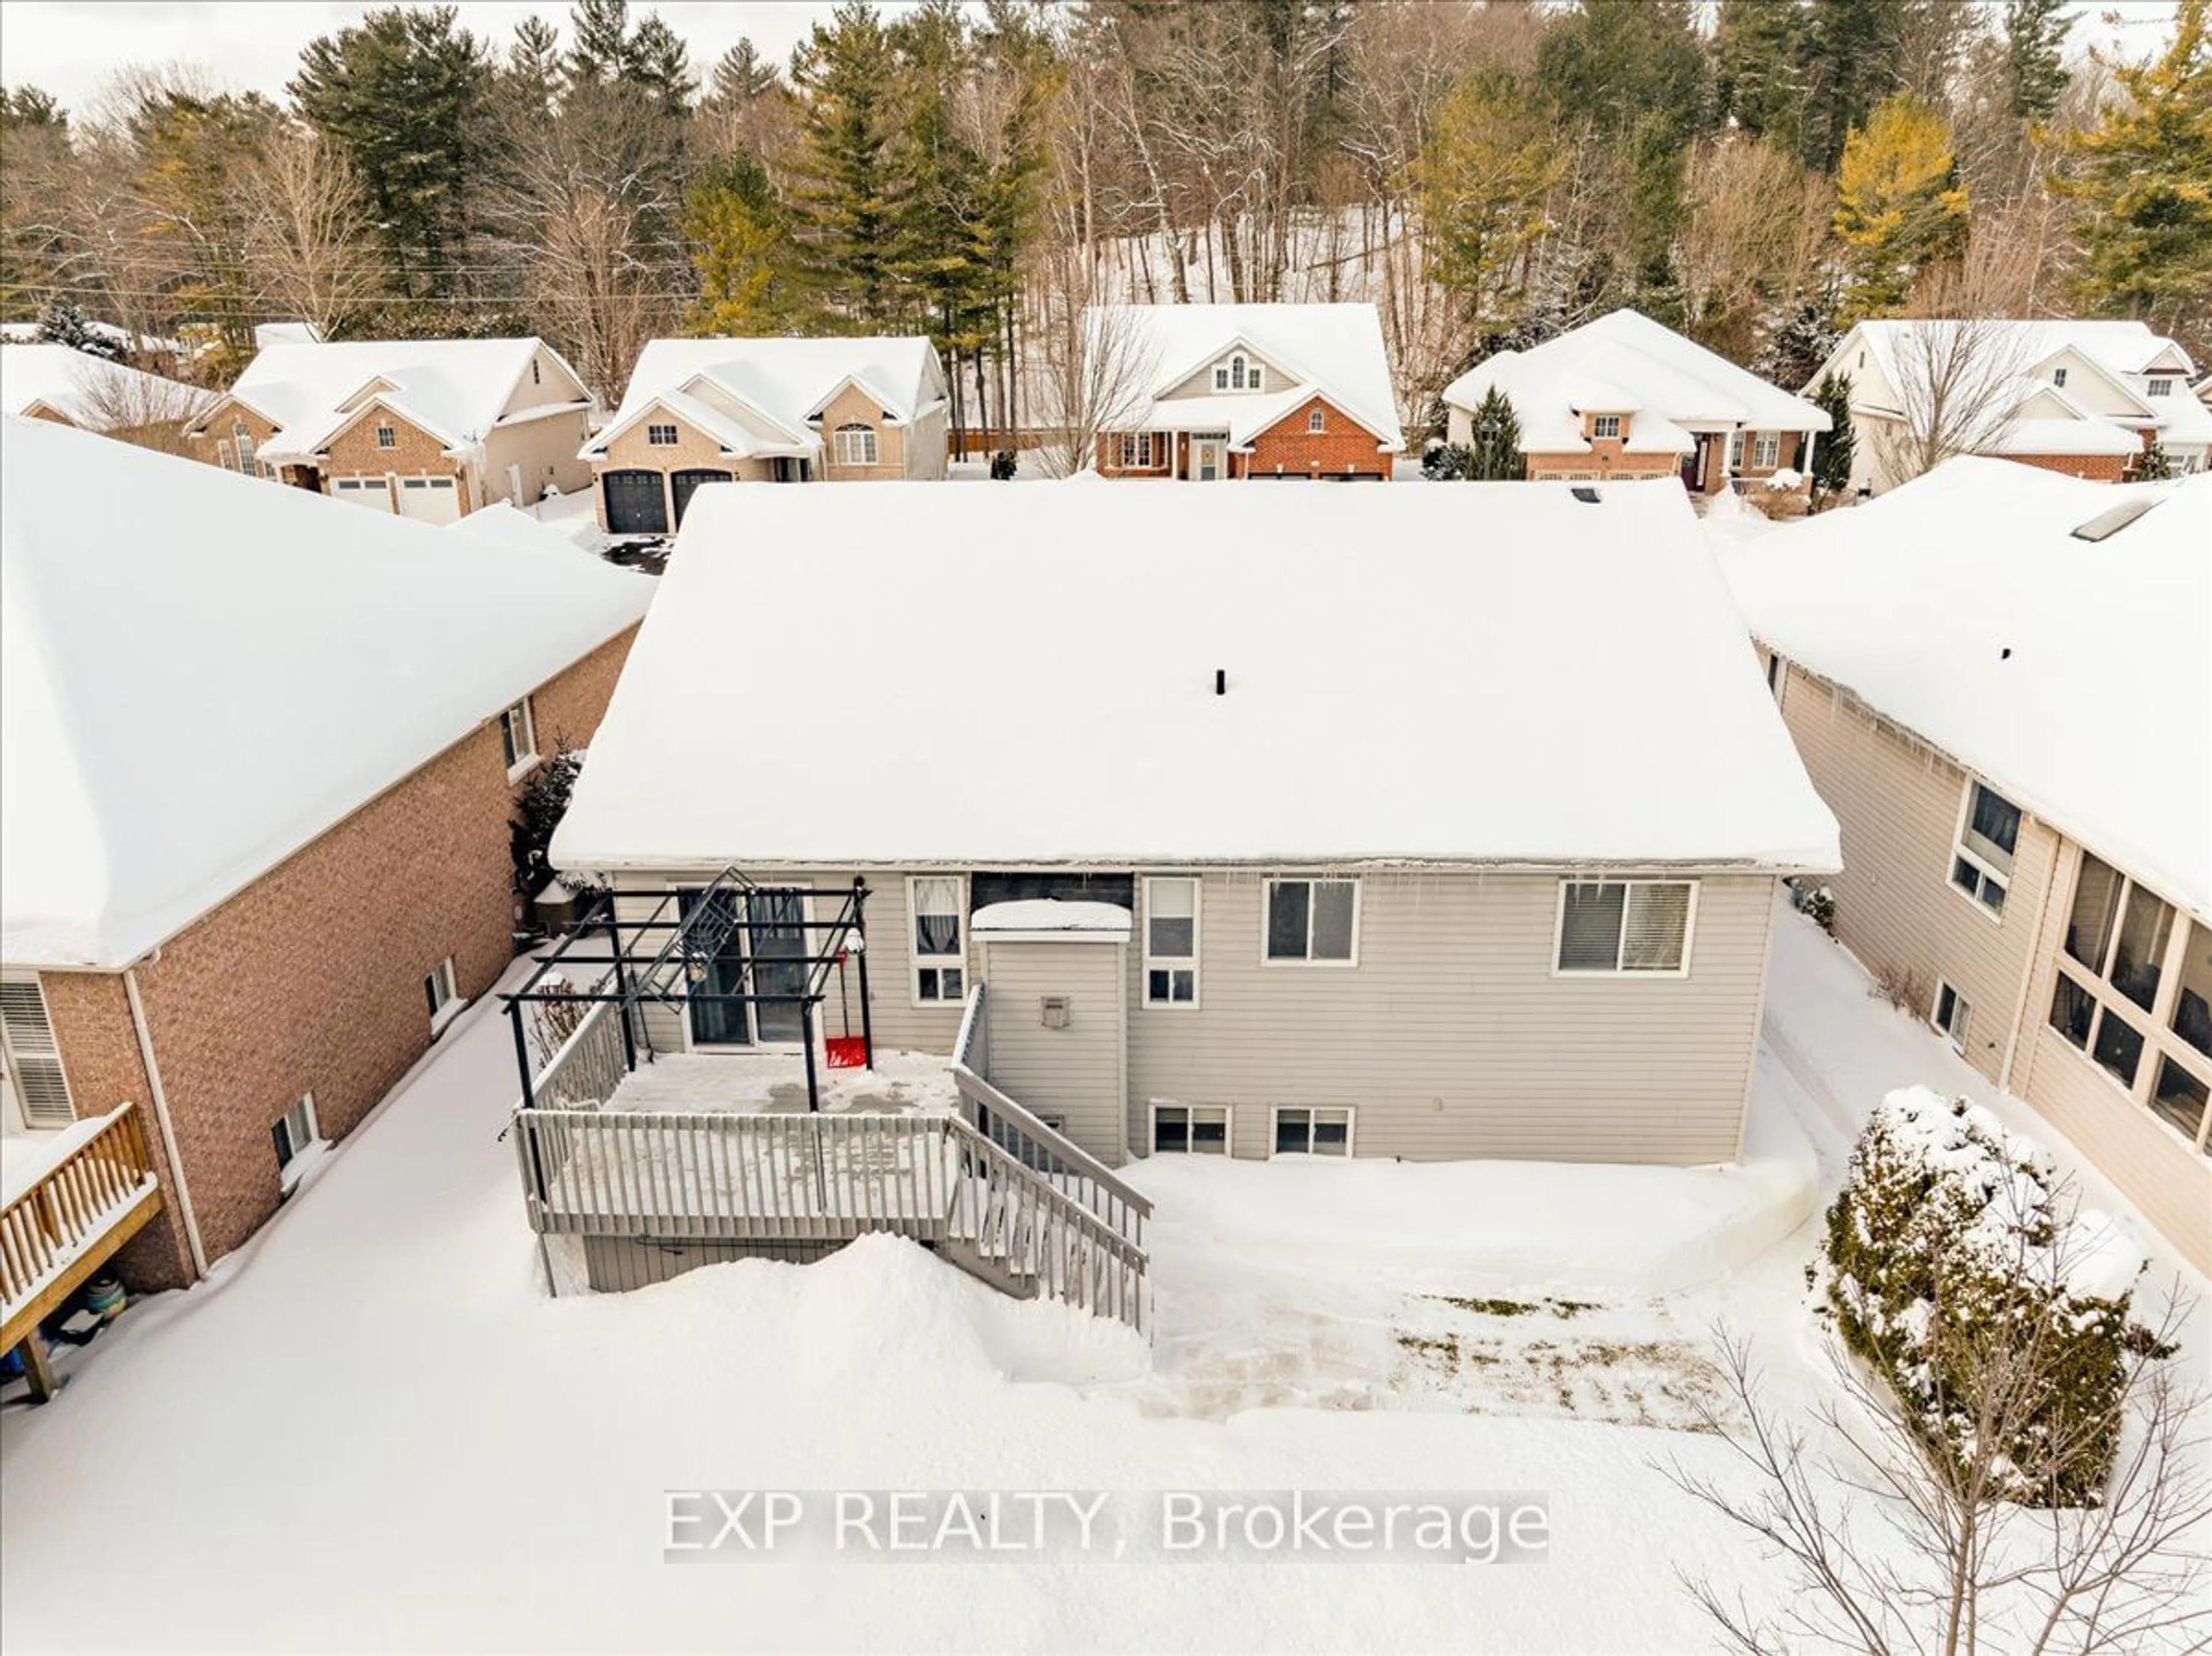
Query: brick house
point(67, 386)
point(1996, 680)
point(765, 411)
point(427, 428)
point(2082, 398)
point(257, 770)
point(1207, 393)
point(1623, 397)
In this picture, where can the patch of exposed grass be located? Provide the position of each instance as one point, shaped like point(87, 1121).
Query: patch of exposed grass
point(1491, 1307)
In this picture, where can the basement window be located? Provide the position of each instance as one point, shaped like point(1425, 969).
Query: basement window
point(1951, 1015)
point(1197, 1129)
point(1302, 1132)
point(518, 738)
point(443, 992)
point(295, 1133)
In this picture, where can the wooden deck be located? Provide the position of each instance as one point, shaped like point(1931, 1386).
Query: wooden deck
point(56, 1233)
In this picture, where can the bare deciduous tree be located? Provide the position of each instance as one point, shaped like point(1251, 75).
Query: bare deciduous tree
point(141, 409)
point(1956, 384)
point(1897, 1547)
point(1095, 370)
point(310, 232)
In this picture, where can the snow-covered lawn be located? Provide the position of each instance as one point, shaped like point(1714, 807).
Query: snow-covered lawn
point(371, 1431)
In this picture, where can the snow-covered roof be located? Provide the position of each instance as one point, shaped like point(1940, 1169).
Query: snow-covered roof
point(89, 390)
point(1051, 917)
point(506, 525)
point(785, 380)
point(1336, 349)
point(266, 334)
point(24, 333)
point(2089, 435)
point(453, 389)
point(2068, 673)
point(200, 672)
point(1493, 673)
point(1626, 363)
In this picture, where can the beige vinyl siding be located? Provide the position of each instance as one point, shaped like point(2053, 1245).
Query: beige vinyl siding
point(1073, 1074)
point(1899, 802)
point(546, 450)
point(1200, 382)
point(553, 384)
point(927, 444)
point(1452, 1036)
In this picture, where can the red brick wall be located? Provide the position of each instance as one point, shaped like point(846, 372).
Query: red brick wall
point(1289, 448)
point(414, 453)
point(1164, 445)
point(310, 979)
point(2101, 468)
point(1605, 460)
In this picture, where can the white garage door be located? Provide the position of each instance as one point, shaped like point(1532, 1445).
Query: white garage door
point(434, 500)
point(371, 492)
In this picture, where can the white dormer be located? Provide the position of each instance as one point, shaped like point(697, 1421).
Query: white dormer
point(1240, 371)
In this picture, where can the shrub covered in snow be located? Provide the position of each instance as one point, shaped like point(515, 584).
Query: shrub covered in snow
point(538, 813)
point(1817, 903)
point(1959, 1266)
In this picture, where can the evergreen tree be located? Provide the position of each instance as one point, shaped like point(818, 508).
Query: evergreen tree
point(1629, 66)
point(1482, 180)
point(2143, 174)
point(1850, 63)
point(28, 108)
point(1444, 462)
point(741, 250)
point(1832, 451)
point(2153, 464)
point(531, 73)
point(600, 41)
point(1494, 442)
point(405, 94)
point(1760, 48)
point(64, 324)
point(741, 75)
point(849, 204)
point(1901, 207)
point(2034, 56)
point(1796, 345)
point(657, 63)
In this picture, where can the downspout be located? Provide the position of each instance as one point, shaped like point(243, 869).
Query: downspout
point(160, 1098)
point(2033, 965)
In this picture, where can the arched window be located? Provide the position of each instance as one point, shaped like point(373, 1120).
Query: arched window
point(856, 444)
point(244, 433)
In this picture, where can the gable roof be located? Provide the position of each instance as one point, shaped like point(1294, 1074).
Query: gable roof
point(1626, 363)
point(2100, 718)
point(1336, 349)
point(1378, 713)
point(200, 673)
point(785, 382)
point(73, 383)
point(453, 389)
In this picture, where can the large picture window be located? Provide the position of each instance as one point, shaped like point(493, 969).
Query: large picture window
point(1988, 834)
point(940, 958)
point(1313, 921)
point(856, 444)
point(1171, 922)
point(1625, 926)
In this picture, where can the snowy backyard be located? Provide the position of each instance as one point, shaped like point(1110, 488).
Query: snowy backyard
point(371, 1429)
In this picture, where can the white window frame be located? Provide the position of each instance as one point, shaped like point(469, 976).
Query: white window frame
point(1765, 450)
point(917, 962)
point(655, 440)
point(442, 994)
point(1735, 451)
point(2004, 878)
point(1137, 451)
point(386, 437)
point(1349, 1113)
point(223, 455)
point(1317, 419)
point(518, 735)
point(1307, 963)
point(1962, 1015)
point(1605, 425)
point(41, 1047)
point(243, 446)
point(1175, 963)
point(1621, 943)
point(2160, 386)
point(290, 1167)
point(1228, 1112)
point(856, 444)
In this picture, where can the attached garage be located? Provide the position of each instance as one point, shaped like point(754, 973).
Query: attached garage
point(682, 484)
point(430, 500)
point(637, 503)
point(373, 492)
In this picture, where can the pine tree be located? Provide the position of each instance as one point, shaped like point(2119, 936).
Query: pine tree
point(405, 94)
point(1851, 62)
point(2143, 174)
point(1482, 179)
point(1759, 47)
point(1832, 451)
point(657, 63)
point(2153, 464)
point(2034, 56)
point(531, 73)
point(741, 249)
point(1901, 207)
point(1494, 442)
point(741, 75)
point(65, 323)
point(848, 209)
point(600, 41)
point(1805, 337)
point(1629, 66)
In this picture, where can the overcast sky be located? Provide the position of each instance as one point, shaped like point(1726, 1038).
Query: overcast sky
point(70, 47)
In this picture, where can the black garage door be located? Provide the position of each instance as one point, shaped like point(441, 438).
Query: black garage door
point(683, 483)
point(635, 504)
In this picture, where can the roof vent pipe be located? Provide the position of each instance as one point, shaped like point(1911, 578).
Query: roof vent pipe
point(1221, 681)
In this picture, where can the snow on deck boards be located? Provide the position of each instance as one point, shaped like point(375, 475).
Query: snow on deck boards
point(774, 1083)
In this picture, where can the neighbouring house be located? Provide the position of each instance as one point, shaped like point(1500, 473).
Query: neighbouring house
point(1205, 393)
point(257, 761)
point(1246, 856)
point(1997, 678)
point(1623, 397)
point(70, 387)
point(765, 411)
point(2085, 399)
point(426, 428)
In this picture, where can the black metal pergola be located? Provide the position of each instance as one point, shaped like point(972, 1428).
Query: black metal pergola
point(601, 958)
